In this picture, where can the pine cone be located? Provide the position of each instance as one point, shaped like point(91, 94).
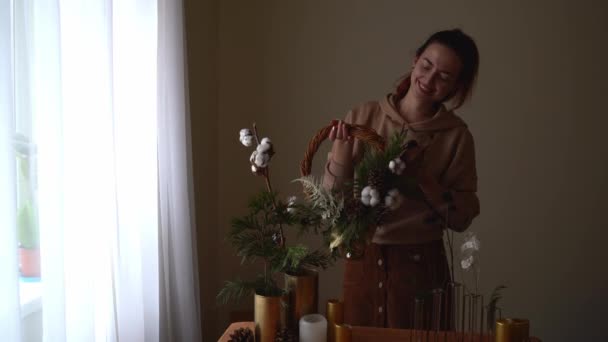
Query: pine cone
point(376, 180)
point(286, 335)
point(353, 207)
point(242, 335)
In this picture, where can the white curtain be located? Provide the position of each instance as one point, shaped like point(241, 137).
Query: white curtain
point(103, 83)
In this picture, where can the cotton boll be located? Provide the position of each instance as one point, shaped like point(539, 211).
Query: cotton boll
point(466, 263)
point(370, 196)
point(263, 147)
point(247, 140)
point(366, 195)
point(246, 137)
point(471, 243)
point(374, 193)
point(391, 165)
point(396, 166)
point(245, 131)
point(261, 159)
point(374, 201)
point(365, 200)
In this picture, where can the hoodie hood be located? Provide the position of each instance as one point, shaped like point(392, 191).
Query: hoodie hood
point(442, 120)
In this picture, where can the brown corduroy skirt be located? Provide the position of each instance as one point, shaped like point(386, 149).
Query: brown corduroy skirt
point(380, 287)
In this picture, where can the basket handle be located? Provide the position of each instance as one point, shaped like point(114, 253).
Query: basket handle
point(363, 133)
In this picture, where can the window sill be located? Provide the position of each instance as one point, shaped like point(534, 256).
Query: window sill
point(30, 293)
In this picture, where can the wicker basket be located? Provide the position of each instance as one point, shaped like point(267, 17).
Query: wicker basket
point(363, 133)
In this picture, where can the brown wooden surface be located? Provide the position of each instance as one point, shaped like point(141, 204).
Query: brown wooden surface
point(367, 334)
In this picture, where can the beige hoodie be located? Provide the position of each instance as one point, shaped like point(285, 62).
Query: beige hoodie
point(449, 157)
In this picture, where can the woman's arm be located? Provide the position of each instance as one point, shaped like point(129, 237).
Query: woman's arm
point(460, 192)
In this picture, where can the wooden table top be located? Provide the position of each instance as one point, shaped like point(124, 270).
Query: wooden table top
point(368, 334)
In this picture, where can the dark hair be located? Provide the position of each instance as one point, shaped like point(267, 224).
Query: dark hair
point(466, 49)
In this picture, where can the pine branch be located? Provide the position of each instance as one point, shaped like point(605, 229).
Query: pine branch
point(235, 290)
point(295, 259)
point(376, 160)
point(322, 199)
point(316, 260)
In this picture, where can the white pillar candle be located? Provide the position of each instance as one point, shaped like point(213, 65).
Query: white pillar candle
point(313, 328)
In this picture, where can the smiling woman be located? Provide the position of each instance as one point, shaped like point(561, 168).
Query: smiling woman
point(406, 260)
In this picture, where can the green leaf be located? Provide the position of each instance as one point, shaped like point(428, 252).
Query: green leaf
point(493, 306)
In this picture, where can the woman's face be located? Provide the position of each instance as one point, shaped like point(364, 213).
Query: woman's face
point(435, 74)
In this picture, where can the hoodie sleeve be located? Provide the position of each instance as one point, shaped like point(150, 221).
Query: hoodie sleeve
point(458, 188)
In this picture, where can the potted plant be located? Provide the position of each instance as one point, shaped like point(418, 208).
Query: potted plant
point(259, 236)
point(27, 222)
point(29, 242)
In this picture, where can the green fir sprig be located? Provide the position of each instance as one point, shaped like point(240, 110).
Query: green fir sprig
point(258, 236)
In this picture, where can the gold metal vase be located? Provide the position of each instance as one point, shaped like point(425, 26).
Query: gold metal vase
point(335, 316)
point(512, 330)
point(302, 296)
point(344, 333)
point(267, 317)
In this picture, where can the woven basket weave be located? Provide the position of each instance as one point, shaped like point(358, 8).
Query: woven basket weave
point(365, 134)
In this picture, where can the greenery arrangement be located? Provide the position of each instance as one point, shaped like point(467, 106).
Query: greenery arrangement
point(259, 235)
point(380, 181)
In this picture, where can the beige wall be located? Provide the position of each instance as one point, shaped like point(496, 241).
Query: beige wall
point(202, 37)
point(537, 116)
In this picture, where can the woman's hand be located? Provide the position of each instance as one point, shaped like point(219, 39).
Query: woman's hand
point(339, 131)
point(342, 147)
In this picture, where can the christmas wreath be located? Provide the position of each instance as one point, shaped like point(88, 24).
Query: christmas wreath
point(381, 180)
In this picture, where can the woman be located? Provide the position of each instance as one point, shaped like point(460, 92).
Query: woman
point(406, 258)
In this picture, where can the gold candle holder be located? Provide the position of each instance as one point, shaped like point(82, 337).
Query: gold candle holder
point(302, 296)
point(344, 333)
point(512, 330)
point(335, 315)
point(267, 317)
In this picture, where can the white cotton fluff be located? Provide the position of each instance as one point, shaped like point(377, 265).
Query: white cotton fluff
point(247, 140)
point(263, 147)
point(396, 166)
point(246, 137)
point(244, 132)
point(261, 159)
point(370, 196)
point(466, 263)
point(266, 140)
point(471, 243)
